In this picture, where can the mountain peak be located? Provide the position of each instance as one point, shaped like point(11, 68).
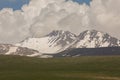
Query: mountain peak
point(60, 33)
point(59, 40)
point(91, 32)
point(56, 41)
point(95, 39)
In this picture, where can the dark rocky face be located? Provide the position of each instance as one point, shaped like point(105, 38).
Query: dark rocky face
point(25, 51)
point(61, 37)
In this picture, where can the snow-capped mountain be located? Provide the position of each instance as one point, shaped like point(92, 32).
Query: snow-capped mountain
point(54, 42)
point(95, 39)
point(8, 49)
point(58, 41)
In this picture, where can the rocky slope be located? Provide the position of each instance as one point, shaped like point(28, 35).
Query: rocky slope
point(8, 49)
point(54, 42)
point(59, 41)
point(95, 39)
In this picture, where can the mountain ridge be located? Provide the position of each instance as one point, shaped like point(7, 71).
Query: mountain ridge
point(59, 41)
point(9, 49)
point(96, 39)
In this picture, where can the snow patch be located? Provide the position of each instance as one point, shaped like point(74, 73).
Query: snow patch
point(34, 55)
point(11, 50)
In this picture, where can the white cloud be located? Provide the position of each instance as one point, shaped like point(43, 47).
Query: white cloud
point(61, 15)
point(42, 16)
point(13, 27)
point(105, 16)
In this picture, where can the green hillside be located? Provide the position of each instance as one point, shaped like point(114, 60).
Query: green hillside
point(82, 68)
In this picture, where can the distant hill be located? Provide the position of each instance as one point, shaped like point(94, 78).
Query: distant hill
point(103, 51)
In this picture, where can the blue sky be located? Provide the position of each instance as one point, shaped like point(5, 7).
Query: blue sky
point(17, 4)
point(83, 1)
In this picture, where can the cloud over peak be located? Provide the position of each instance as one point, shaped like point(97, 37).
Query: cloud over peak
point(42, 16)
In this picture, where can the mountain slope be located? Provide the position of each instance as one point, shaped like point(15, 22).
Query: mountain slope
point(65, 43)
point(58, 41)
point(95, 39)
point(54, 42)
point(8, 49)
point(76, 52)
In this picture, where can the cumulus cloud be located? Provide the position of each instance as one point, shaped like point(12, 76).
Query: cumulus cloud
point(40, 17)
point(61, 15)
point(13, 26)
point(105, 16)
